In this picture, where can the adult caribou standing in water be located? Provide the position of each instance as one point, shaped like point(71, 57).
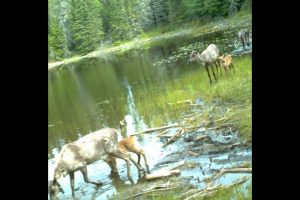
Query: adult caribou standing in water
point(208, 57)
point(75, 156)
point(244, 37)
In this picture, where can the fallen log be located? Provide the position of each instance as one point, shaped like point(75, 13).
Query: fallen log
point(161, 174)
point(155, 129)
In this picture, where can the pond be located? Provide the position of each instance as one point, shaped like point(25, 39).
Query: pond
point(97, 93)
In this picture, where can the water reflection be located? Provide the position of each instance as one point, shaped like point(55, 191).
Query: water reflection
point(98, 93)
point(133, 119)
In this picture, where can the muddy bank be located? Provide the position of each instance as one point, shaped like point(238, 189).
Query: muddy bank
point(202, 160)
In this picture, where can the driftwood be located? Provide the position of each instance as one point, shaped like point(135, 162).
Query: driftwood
point(172, 139)
point(161, 174)
point(155, 129)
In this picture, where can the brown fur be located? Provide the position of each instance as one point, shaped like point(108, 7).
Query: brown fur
point(128, 144)
point(227, 62)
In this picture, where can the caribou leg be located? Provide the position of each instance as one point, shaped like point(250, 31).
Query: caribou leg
point(71, 174)
point(214, 73)
point(208, 74)
point(85, 177)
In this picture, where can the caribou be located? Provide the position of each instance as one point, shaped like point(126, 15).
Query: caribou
point(75, 156)
point(208, 57)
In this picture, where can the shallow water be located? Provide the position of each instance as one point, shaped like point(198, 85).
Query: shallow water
point(98, 93)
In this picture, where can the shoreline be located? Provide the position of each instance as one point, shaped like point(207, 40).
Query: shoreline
point(138, 43)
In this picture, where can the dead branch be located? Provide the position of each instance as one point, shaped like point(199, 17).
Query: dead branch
point(223, 170)
point(155, 190)
point(155, 129)
point(221, 119)
point(174, 137)
point(202, 193)
point(190, 192)
point(202, 137)
point(163, 132)
point(219, 126)
point(189, 101)
point(193, 153)
point(162, 174)
point(196, 127)
point(165, 185)
point(232, 170)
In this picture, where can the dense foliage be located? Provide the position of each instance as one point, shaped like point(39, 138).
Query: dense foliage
point(80, 26)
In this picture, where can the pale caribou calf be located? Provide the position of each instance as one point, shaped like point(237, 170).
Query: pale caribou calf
point(99, 145)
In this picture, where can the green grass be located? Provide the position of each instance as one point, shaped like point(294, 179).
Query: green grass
point(235, 192)
point(233, 92)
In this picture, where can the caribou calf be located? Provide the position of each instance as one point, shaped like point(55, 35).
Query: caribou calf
point(227, 62)
point(128, 144)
